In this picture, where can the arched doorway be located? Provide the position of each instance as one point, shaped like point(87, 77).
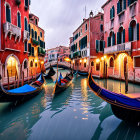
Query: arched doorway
point(125, 65)
point(12, 66)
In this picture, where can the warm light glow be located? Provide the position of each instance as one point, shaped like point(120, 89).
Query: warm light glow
point(105, 57)
point(85, 60)
point(102, 58)
point(80, 60)
point(97, 60)
point(73, 61)
point(36, 61)
point(67, 59)
point(42, 62)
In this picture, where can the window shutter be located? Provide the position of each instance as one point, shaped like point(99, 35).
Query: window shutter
point(124, 4)
point(113, 11)
point(123, 35)
point(97, 49)
point(110, 13)
point(130, 34)
point(113, 39)
point(137, 31)
point(29, 49)
point(118, 38)
point(118, 8)
point(128, 2)
point(8, 14)
point(103, 44)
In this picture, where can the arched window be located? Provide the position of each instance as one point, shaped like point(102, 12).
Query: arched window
point(92, 63)
point(8, 13)
point(18, 20)
point(111, 39)
point(26, 3)
point(121, 36)
point(31, 64)
point(25, 64)
point(32, 33)
point(133, 31)
point(35, 35)
point(111, 62)
point(25, 24)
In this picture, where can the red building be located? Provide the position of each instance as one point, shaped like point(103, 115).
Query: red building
point(121, 34)
point(14, 36)
point(87, 44)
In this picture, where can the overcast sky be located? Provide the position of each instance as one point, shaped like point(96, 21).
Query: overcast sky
point(59, 18)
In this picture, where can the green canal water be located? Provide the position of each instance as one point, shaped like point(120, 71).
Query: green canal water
point(76, 114)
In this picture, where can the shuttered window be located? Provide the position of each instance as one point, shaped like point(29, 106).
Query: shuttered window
point(123, 35)
point(8, 14)
point(130, 34)
point(25, 46)
point(136, 61)
point(137, 31)
point(118, 38)
point(35, 35)
point(29, 28)
point(109, 41)
point(19, 20)
point(32, 33)
point(25, 24)
point(26, 3)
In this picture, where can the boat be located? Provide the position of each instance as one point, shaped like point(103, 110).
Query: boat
point(50, 73)
point(63, 83)
point(125, 107)
point(22, 93)
point(82, 73)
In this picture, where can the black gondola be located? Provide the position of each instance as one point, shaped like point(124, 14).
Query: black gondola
point(63, 84)
point(125, 107)
point(50, 73)
point(22, 93)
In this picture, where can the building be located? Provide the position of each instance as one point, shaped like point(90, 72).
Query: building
point(13, 37)
point(60, 52)
point(87, 44)
point(121, 35)
point(36, 45)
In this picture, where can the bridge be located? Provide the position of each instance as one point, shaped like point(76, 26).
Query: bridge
point(64, 65)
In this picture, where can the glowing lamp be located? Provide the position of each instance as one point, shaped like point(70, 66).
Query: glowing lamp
point(102, 58)
point(97, 60)
point(80, 60)
point(67, 59)
point(105, 57)
point(85, 60)
point(36, 61)
point(73, 61)
point(42, 62)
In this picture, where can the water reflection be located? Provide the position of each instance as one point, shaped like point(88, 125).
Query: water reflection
point(77, 113)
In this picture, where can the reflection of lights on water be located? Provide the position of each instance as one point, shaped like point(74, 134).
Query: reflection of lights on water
point(84, 89)
point(84, 118)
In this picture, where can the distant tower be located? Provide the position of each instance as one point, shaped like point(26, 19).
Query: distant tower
point(91, 14)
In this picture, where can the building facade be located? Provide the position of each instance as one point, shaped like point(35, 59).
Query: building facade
point(121, 35)
point(36, 45)
point(13, 37)
point(60, 52)
point(87, 45)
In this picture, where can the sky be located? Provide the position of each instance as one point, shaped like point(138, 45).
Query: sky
point(60, 18)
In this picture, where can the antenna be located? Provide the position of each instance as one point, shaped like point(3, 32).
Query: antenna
point(85, 11)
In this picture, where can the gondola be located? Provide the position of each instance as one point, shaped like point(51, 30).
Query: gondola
point(82, 73)
point(22, 93)
point(62, 84)
point(125, 107)
point(50, 73)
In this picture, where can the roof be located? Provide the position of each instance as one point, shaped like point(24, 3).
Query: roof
point(106, 3)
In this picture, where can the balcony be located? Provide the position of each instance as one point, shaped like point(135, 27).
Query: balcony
point(25, 35)
point(35, 42)
point(125, 47)
point(41, 51)
point(12, 30)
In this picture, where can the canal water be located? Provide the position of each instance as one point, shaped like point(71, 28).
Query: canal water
point(76, 114)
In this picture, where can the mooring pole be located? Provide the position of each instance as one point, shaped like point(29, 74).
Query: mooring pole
point(126, 79)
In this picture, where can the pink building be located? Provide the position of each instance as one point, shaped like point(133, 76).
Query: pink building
point(87, 44)
point(121, 35)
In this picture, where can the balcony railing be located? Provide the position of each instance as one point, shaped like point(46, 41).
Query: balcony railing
point(13, 30)
point(25, 35)
point(118, 48)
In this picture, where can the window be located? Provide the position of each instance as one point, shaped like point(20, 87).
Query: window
point(25, 24)
point(36, 22)
point(137, 61)
point(133, 31)
point(8, 14)
point(41, 34)
point(92, 63)
point(85, 64)
point(31, 64)
point(121, 36)
point(18, 20)
point(121, 5)
point(32, 33)
point(25, 64)
point(111, 39)
point(112, 12)
point(35, 64)
point(100, 45)
point(29, 27)
point(86, 27)
point(35, 35)
point(101, 27)
point(111, 62)
point(25, 46)
point(97, 66)
point(26, 3)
